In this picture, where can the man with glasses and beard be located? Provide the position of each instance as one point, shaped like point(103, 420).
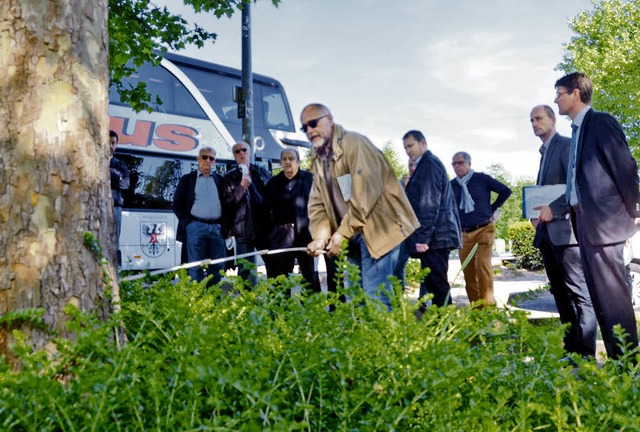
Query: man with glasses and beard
point(355, 196)
point(243, 193)
point(197, 204)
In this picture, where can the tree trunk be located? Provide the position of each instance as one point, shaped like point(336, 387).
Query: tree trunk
point(54, 161)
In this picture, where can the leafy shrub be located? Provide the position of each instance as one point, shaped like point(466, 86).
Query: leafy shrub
point(210, 359)
point(527, 256)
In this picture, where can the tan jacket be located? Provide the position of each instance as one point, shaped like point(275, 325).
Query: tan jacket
point(378, 207)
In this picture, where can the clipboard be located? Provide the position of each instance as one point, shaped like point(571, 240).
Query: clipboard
point(533, 196)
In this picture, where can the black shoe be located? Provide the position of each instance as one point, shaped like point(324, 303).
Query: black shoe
point(568, 361)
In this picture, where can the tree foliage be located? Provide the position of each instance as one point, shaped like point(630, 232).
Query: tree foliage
point(512, 208)
point(140, 32)
point(390, 154)
point(605, 47)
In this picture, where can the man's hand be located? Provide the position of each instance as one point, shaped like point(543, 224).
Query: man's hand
point(334, 245)
point(316, 247)
point(546, 215)
point(245, 182)
point(422, 247)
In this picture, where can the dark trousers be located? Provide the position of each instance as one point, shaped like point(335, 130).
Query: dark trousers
point(569, 288)
point(605, 273)
point(243, 271)
point(437, 281)
point(283, 263)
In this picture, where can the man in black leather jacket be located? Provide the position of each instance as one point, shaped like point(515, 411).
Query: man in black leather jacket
point(432, 200)
point(243, 195)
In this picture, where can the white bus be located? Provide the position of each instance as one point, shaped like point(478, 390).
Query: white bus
point(159, 147)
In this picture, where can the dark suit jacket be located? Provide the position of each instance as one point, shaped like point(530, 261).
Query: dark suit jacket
point(555, 172)
point(184, 198)
point(606, 181)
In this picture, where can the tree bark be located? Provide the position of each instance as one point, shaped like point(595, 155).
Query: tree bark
point(54, 161)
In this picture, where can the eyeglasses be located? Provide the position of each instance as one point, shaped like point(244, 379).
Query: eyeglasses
point(559, 94)
point(240, 150)
point(454, 163)
point(312, 123)
point(205, 157)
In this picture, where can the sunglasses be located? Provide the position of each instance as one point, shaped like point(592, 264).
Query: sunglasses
point(312, 123)
point(241, 150)
point(454, 163)
point(205, 157)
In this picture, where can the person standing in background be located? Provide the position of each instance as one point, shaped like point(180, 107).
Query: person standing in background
point(243, 193)
point(557, 243)
point(120, 181)
point(432, 200)
point(477, 216)
point(198, 206)
point(602, 190)
point(286, 198)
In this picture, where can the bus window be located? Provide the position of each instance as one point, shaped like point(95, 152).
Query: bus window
point(185, 104)
point(158, 82)
point(274, 108)
point(176, 99)
point(153, 180)
point(217, 89)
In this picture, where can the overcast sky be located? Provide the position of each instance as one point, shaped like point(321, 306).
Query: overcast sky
point(466, 73)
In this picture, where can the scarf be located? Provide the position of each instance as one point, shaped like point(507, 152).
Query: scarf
point(466, 202)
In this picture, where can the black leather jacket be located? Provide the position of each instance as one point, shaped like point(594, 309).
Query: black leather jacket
point(432, 199)
point(246, 213)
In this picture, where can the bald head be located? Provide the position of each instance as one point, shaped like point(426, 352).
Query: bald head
point(543, 122)
point(317, 123)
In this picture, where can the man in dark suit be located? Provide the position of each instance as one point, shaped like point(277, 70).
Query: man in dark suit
point(602, 189)
point(197, 203)
point(557, 243)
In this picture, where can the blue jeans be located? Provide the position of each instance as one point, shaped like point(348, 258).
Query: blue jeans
point(204, 241)
point(374, 272)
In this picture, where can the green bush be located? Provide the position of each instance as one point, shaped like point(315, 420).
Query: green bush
point(206, 359)
point(527, 256)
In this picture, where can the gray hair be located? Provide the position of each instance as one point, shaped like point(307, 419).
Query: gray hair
point(466, 156)
point(292, 150)
point(207, 148)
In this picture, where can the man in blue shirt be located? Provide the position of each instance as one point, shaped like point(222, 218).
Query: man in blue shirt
point(477, 216)
point(197, 204)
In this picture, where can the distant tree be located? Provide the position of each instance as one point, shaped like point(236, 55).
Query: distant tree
point(512, 208)
point(606, 47)
point(392, 157)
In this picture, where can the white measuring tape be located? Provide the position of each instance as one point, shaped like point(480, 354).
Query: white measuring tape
point(213, 262)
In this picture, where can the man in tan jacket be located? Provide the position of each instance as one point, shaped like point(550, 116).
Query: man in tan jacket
point(355, 195)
